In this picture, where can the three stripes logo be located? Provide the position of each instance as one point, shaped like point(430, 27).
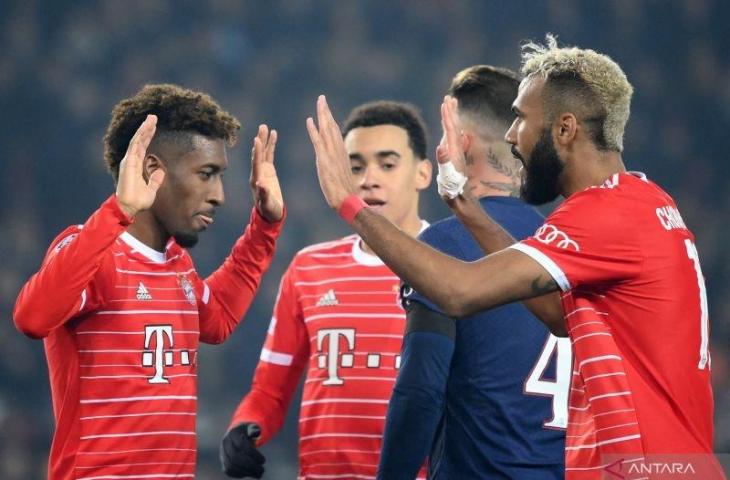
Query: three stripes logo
point(328, 299)
point(143, 293)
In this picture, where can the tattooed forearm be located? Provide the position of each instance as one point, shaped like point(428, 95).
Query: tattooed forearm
point(541, 285)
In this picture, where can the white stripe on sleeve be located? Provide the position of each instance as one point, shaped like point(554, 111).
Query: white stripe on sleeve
point(546, 263)
point(83, 300)
point(206, 293)
point(276, 358)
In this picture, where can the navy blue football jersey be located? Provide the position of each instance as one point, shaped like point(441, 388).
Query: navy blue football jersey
point(505, 406)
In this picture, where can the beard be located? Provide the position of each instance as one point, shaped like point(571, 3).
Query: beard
point(186, 239)
point(542, 172)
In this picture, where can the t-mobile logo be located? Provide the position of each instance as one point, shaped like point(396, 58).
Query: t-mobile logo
point(333, 352)
point(160, 357)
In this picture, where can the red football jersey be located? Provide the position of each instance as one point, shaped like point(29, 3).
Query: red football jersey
point(338, 316)
point(122, 323)
point(636, 311)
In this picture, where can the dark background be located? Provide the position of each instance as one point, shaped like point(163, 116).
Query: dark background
point(64, 65)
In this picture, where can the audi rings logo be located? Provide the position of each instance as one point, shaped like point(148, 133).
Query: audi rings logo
point(549, 235)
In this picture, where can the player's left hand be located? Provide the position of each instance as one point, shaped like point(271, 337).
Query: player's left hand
point(264, 182)
point(238, 453)
point(451, 147)
point(333, 163)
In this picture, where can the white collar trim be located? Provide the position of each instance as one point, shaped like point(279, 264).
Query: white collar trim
point(368, 259)
point(137, 246)
point(640, 175)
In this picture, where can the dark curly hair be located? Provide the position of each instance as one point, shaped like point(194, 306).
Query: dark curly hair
point(180, 114)
point(385, 112)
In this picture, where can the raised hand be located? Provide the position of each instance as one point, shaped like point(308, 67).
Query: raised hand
point(264, 182)
point(451, 147)
point(133, 193)
point(333, 163)
point(450, 154)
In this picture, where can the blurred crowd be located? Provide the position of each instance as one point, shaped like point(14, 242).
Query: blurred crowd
point(64, 64)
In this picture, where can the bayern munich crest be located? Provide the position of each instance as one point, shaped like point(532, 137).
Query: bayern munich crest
point(187, 288)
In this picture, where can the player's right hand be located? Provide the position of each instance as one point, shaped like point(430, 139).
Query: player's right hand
point(239, 456)
point(134, 194)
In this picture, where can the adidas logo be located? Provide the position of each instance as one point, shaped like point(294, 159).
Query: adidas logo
point(142, 293)
point(328, 299)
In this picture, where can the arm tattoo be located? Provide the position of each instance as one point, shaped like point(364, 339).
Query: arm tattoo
point(542, 286)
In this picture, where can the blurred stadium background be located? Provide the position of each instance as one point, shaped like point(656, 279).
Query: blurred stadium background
point(64, 64)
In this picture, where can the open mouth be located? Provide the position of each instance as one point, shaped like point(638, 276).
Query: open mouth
point(206, 218)
point(373, 202)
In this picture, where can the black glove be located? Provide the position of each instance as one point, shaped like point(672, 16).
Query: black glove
point(239, 456)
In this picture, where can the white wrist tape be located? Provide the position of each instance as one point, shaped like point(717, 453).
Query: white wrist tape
point(450, 181)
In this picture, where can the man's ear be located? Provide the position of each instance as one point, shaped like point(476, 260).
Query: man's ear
point(151, 163)
point(565, 129)
point(467, 140)
point(424, 171)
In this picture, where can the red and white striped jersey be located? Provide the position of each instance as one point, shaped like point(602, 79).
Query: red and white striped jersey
point(636, 311)
point(122, 324)
point(338, 317)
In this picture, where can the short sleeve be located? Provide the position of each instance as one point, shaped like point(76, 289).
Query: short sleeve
point(591, 238)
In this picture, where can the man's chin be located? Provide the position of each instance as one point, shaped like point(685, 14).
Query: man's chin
point(537, 198)
point(186, 239)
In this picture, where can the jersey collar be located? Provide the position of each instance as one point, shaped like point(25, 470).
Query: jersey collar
point(368, 259)
point(137, 246)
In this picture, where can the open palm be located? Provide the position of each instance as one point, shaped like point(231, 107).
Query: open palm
point(134, 194)
point(264, 181)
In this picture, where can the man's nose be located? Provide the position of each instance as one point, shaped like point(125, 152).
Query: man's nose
point(510, 137)
point(371, 178)
point(217, 195)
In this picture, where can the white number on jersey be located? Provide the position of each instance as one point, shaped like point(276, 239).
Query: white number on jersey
point(704, 317)
point(559, 388)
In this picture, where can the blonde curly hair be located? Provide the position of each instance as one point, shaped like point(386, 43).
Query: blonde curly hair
point(584, 82)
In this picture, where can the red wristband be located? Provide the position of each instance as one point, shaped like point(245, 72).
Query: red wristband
point(350, 207)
